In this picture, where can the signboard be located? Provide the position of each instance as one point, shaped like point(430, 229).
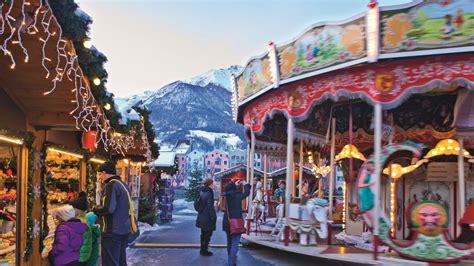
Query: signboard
point(255, 76)
point(444, 171)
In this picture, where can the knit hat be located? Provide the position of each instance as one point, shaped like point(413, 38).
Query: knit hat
point(108, 167)
point(64, 213)
point(91, 218)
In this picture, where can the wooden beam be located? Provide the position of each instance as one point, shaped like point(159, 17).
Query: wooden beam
point(51, 119)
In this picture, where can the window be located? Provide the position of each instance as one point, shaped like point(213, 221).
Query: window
point(208, 170)
point(225, 162)
point(208, 162)
point(218, 162)
point(217, 170)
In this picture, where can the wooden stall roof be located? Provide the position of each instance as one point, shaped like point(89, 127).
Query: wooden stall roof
point(28, 81)
point(238, 168)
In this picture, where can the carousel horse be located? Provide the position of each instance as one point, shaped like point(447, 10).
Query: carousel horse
point(258, 202)
point(429, 218)
point(318, 225)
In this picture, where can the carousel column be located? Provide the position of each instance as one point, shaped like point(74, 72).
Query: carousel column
point(300, 172)
point(332, 176)
point(265, 167)
point(247, 172)
point(377, 171)
point(251, 162)
point(289, 178)
point(461, 181)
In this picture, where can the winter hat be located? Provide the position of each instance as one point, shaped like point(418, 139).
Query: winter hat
point(64, 213)
point(108, 167)
point(79, 203)
point(91, 218)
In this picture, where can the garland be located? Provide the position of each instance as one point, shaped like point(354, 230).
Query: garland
point(91, 180)
point(44, 197)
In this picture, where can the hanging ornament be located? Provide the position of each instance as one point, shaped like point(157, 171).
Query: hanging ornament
point(89, 140)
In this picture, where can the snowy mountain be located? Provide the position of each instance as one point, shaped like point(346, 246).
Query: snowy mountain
point(219, 77)
point(198, 109)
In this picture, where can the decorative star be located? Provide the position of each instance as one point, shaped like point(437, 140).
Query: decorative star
point(36, 229)
point(36, 191)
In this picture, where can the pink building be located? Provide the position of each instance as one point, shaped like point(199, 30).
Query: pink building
point(181, 148)
point(214, 162)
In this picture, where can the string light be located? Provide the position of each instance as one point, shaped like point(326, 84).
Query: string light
point(87, 44)
point(344, 205)
point(107, 106)
point(96, 160)
point(97, 81)
point(11, 140)
point(86, 114)
point(392, 205)
point(66, 152)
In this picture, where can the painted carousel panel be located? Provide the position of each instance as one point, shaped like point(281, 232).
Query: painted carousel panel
point(430, 25)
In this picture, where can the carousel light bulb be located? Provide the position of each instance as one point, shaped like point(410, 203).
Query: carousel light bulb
point(107, 106)
point(97, 81)
point(87, 44)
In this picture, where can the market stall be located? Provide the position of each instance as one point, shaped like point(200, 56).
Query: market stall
point(351, 87)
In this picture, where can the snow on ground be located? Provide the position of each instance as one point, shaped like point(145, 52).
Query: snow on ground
point(186, 211)
point(231, 139)
point(180, 203)
point(146, 227)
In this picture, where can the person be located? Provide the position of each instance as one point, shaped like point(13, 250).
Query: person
point(233, 203)
point(280, 198)
point(207, 218)
point(459, 19)
point(115, 211)
point(89, 253)
point(67, 237)
point(80, 205)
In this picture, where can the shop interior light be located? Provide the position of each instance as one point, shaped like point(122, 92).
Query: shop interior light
point(126, 161)
point(350, 151)
point(11, 140)
point(447, 147)
point(66, 152)
point(96, 160)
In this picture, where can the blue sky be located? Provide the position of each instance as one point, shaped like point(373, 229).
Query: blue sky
point(152, 43)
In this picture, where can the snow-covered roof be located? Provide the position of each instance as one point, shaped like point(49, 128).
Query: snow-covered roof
point(281, 171)
point(238, 168)
point(166, 159)
point(125, 109)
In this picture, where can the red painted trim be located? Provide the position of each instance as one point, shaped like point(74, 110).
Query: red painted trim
point(419, 75)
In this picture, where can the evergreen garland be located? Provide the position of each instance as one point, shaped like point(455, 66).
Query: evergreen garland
point(91, 180)
point(44, 197)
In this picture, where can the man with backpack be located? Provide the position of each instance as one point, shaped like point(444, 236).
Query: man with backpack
point(117, 214)
point(206, 219)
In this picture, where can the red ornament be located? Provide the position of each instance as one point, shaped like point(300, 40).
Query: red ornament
point(88, 140)
point(372, 4)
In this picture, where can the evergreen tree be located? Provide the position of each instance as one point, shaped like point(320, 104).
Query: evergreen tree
point(146, 209)
point(194, 188)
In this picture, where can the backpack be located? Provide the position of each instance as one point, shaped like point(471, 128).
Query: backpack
point(199, 204)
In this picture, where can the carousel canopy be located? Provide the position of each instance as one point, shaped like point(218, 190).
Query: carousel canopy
point(334, 61)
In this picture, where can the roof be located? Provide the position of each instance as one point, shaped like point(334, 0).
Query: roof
point(238, 168)
point(166, 159)
point(281, 171)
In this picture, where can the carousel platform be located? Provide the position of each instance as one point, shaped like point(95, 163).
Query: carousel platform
point(338, 253)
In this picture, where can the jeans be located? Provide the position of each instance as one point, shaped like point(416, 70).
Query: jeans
point(114, 249)
point(233, 242)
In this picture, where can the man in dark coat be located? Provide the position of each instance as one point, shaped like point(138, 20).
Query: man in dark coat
point(115, 212)
point(206, 219)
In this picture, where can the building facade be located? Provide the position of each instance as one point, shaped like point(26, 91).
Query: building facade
point(214, 162)
point(237, 157)
point(194, 161)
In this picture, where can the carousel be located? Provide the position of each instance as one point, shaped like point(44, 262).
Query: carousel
point(379, 107)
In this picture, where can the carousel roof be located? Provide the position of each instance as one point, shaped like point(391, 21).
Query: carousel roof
point(282, 171)
point(333, 61)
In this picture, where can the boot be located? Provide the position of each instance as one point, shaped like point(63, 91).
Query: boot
point(204, 251)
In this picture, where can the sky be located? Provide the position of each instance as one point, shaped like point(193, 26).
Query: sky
point(150, 43)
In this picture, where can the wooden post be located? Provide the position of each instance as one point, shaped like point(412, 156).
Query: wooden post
point(377, 171)
point(461, 181)
point(289, 178)
point(21, 203)
point(301, 171)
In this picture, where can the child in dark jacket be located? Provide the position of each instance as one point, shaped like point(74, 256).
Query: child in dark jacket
point(67, 237)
